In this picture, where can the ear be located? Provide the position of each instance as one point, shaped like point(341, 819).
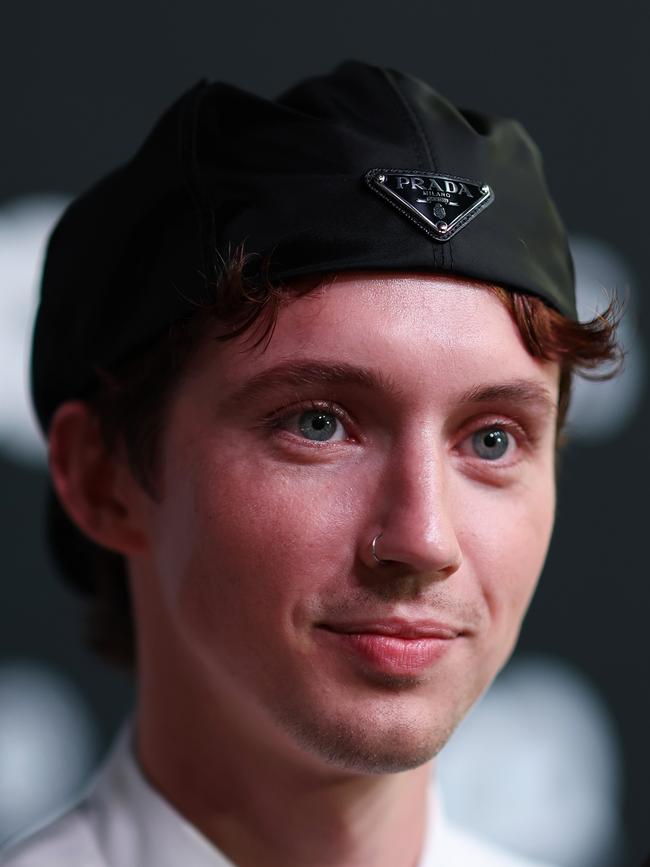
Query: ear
point(95, 486)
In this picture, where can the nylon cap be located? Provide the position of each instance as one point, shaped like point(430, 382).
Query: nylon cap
point(361, 169)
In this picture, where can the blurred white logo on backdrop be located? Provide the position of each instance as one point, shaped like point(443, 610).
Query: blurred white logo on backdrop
point(537, 766)
point(25, 225)
point(48, 744)
point(601, 410)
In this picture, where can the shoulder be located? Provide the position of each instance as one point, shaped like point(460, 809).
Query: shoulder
point(463, 848)
point(66, 841)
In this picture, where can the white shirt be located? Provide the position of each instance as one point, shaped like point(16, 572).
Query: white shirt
point(122, 821)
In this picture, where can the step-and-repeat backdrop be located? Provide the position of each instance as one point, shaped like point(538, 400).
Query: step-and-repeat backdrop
point(554, 761)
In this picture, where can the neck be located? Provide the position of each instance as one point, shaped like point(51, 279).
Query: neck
point(262, 800)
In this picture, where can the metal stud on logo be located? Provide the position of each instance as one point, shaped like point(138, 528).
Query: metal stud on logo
point(439, 205)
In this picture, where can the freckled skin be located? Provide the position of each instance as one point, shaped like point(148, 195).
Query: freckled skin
point(259, 537)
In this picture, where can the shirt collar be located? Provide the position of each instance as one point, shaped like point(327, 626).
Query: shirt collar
point(136, 825)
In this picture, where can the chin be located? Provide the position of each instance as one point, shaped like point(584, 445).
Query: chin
point(385, 745)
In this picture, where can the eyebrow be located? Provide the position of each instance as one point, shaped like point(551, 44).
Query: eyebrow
point(520, 391)
point(313, 372)
point(309, 373)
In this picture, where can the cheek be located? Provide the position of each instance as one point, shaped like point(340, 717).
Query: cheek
point(267, 519)
point(245, 542)
point(506, 541)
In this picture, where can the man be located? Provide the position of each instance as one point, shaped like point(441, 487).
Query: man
point(302, 366)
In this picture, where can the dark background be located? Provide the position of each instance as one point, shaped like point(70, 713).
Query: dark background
point(81, 84)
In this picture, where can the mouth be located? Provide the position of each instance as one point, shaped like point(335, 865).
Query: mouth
point(392, 646)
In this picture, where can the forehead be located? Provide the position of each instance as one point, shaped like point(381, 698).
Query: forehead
point(416, 330)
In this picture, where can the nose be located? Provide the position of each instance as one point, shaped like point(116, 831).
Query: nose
point(414, 531)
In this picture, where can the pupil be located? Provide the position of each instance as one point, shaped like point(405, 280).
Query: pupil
point(319, 422)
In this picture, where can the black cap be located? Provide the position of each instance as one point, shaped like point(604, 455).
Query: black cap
point(362, 169)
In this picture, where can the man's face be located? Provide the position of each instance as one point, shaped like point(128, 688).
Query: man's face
point(396, 404)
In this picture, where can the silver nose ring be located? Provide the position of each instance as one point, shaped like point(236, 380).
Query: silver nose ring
point(374, 550)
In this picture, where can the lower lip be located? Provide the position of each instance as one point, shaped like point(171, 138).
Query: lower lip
point(392, 654)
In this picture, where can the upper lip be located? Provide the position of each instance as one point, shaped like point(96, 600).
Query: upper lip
point(398, 627)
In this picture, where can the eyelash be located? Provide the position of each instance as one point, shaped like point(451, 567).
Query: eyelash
point(524, 439)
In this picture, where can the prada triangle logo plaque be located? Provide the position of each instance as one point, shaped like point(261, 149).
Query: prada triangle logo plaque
point(439, 205)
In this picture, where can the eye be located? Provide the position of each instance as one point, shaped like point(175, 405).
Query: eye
point(490, 444)
point(317, 425)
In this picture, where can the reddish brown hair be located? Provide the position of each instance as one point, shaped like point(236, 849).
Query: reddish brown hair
point(579, 347)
